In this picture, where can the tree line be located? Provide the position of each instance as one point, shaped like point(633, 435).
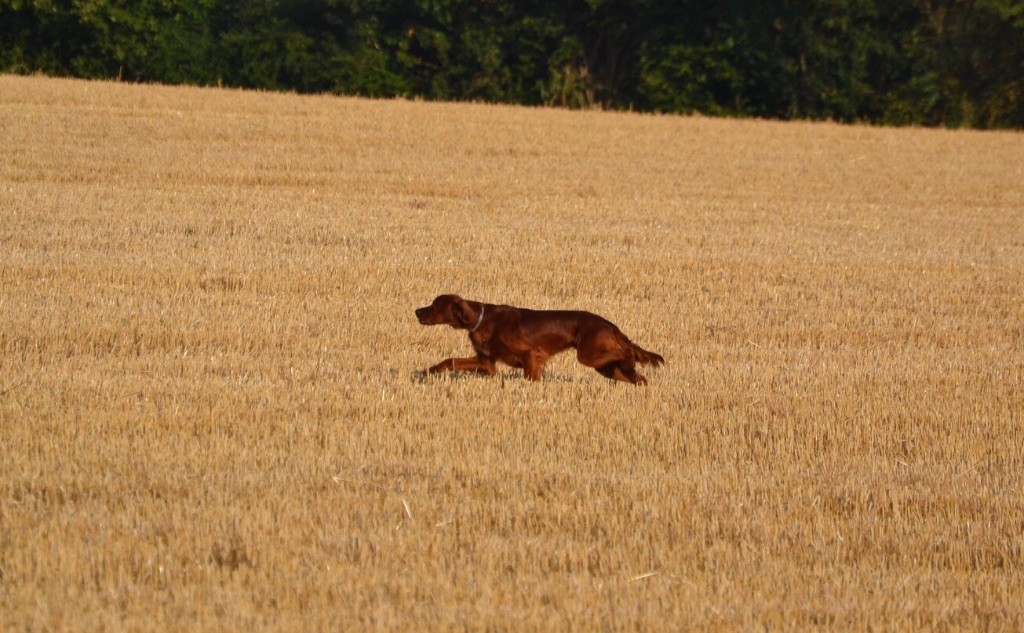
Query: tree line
point(925, 62)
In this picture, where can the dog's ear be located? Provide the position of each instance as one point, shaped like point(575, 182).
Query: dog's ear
point(463, 313)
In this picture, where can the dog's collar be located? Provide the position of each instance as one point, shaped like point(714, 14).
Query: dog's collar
point(478, 321)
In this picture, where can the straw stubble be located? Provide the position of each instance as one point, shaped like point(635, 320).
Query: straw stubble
point(212, 415)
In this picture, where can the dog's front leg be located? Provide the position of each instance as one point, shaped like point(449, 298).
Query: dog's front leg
point(477, 364)
point(533, 364)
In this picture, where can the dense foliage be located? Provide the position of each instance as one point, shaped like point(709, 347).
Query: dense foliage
point(931, 62)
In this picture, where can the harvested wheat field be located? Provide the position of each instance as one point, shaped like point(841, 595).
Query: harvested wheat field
point(213, 415)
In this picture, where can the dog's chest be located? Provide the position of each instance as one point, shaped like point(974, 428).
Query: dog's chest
point(488, 345)
point(481, 345)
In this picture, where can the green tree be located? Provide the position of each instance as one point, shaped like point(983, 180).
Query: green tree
point(933, 62)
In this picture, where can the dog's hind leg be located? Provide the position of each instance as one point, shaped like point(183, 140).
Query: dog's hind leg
point(621, 370)
point(603, 351)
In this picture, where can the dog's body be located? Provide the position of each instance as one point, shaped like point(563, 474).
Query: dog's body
point(528, 338)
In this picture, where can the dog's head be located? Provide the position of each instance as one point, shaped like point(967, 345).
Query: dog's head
point(447, 310)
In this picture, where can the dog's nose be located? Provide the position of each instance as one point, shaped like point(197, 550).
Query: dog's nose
point(419, 312)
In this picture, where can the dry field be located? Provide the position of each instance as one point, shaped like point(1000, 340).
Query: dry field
point(211, 416)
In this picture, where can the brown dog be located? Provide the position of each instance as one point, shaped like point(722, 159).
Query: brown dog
point(527, 338)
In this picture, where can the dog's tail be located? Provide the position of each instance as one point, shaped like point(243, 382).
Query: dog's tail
point(645, 357)
point(640, 355)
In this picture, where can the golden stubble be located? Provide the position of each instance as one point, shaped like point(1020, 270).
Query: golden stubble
point(212, 417)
